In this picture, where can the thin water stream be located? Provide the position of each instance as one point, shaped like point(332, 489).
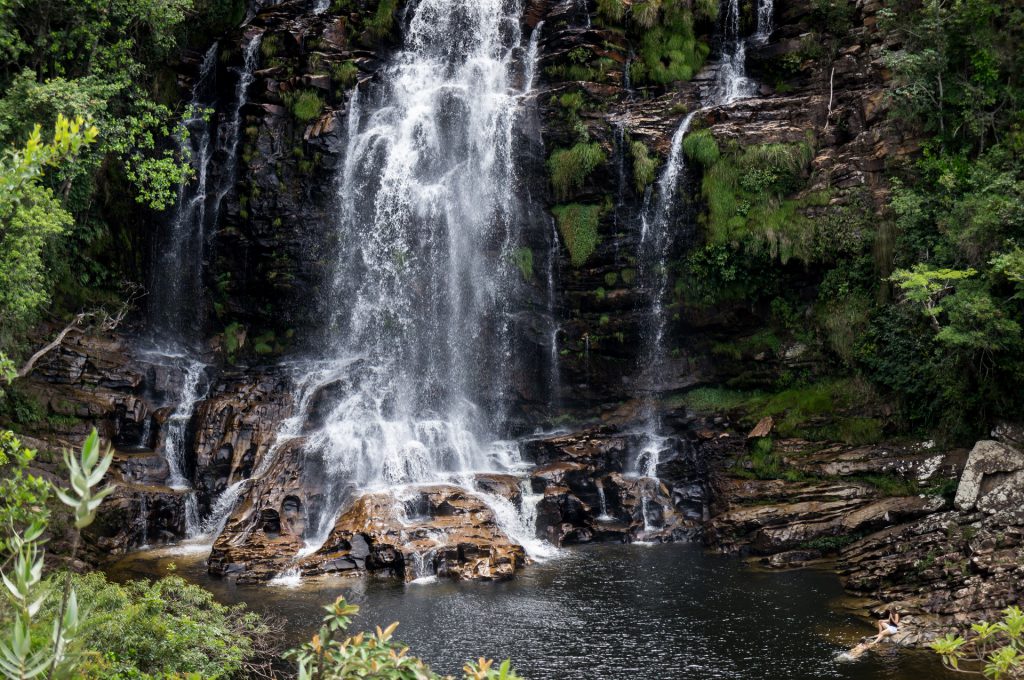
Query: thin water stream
point(608, 612)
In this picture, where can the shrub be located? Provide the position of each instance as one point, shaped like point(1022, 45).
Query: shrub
point(578, 225)
point(996, 650)
point(166, 628)
point(570, 168)
point(305, 105)
point(383, 20)
point(335, 655)
point(701, 146)
point(747, 189)
point(614, 10)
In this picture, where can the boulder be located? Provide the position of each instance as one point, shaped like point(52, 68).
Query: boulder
point(455, 534)
point(993, 479)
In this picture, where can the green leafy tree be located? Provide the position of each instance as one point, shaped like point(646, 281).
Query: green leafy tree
point(30, 217)
point(926, 286)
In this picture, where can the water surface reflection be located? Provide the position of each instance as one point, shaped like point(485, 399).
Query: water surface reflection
point(613, 612)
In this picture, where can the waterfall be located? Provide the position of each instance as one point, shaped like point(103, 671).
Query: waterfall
point(229, 134)
point(604, 516)
point(175, 445)
point(732, 83)
point(577, 8)
point(176, 428)
point(657, 230)
point(554, 359)
point(646, 468)
point(177, 268)
point(765, 20)
point(144, 514)
point(423, 569)
point(426, 283)
point(532, 54)
point(520, 524)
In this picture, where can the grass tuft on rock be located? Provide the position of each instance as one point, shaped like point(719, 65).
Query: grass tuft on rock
point(578, 225)
point(571, 167)
point(305, 105)
point(701, 146)
point(645, 167)
point(523, 259)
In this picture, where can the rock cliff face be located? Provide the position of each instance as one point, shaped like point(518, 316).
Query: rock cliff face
point(884, 512)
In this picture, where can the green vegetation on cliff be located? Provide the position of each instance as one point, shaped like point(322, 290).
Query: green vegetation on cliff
point(669, 49)
point(571, 167)
point(748, 197)
point(578, 225)
point(71, 241)
point(922, 295)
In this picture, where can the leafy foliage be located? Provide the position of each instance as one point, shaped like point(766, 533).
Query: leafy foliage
point(332, 654)
point(645, 166)
point(669, 47)
point(523, 259)
point(165, 628)
point(747, 191)
point(305, 105)
point(997, 649)
point(23, 496)
point(24, 652)
point(31, 216)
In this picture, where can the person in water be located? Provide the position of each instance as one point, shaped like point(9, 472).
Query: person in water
point(888, 626)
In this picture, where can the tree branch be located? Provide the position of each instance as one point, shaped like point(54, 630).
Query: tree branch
point(107, 323)
point(30, 364)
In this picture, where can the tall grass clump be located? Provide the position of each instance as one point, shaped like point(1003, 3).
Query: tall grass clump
point(700, 146)
point(305, 105)
point(645, 166)
point(571, 167)
point(578, 225)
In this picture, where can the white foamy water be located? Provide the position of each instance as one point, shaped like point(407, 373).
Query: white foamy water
point(426, 281)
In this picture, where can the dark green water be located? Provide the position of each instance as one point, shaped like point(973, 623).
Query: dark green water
point(612, 611)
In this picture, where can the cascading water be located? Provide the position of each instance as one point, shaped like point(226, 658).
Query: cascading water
point(176, 441)
point(229, 133)
point(177, 271)
point(604, 516)
point(554, 371)
point(658, 229)
point(732, 83)
point(532, 54)
point(520, 523)
point(765, 20)
point(656, 240)
point(580, 12)
point(175, 431)
point(426, 280)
